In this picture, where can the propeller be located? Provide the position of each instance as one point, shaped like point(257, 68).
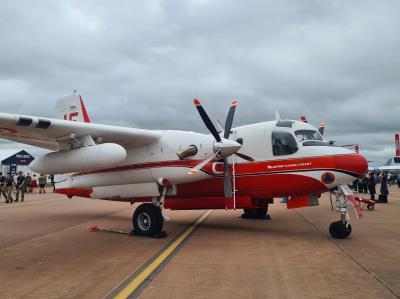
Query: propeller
point(223, 147)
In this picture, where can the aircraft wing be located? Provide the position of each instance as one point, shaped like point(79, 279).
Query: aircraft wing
point(48, 133)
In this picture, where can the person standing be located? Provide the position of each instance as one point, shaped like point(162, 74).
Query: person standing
point(33, 184)
point(384, 188)
point(9, 188)
point(371, 185)
point(42, 183)
point(28, 182)
point(2, 184)
point(21, 186)
point(365, 183)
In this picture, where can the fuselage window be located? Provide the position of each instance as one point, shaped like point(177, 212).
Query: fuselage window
point(304, 135)
point(283, 143)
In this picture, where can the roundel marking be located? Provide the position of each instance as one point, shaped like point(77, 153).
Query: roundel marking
point(328, 177)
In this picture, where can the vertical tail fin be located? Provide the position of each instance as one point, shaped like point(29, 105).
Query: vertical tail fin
point(71, 107)
point(397, 143)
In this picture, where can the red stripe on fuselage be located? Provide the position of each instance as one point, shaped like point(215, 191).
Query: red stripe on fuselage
point(178, 163)
point(349, 162)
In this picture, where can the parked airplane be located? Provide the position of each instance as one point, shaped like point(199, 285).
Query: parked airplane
point(237, 168)
point(393, 164)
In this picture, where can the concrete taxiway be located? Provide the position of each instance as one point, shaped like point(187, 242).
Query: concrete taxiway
point(48, 251)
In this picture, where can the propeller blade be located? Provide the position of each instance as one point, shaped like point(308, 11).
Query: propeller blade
point(227, 180)
point(247, 158)
point(207, 121)
point(321, 128)
point(229, 119)
point(199, 166)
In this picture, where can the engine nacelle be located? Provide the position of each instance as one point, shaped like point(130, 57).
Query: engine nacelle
point(80, 159)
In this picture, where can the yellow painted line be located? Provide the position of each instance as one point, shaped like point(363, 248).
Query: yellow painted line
point(141, 277)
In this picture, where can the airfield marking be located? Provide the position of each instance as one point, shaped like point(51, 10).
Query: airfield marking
point(137, 281)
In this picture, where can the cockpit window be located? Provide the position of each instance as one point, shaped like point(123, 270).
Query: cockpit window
point(304, 135)
point(283, 143)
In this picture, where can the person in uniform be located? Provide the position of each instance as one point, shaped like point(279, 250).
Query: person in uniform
point(9, 188)
point(2, 186)
point(21, 186)
point(42, 183)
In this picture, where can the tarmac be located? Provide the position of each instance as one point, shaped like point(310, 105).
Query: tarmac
point(47, 250)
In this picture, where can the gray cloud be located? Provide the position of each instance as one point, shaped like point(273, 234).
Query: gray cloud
point(139, 63)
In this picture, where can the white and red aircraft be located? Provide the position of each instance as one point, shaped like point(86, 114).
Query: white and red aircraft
point(233, 168)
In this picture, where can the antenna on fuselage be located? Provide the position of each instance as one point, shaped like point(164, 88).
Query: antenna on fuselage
point(277, 115)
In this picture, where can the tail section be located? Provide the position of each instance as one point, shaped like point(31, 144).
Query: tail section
point(397, 143)
point(71, 107)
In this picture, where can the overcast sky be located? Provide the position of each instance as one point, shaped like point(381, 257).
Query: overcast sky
point(140, 63)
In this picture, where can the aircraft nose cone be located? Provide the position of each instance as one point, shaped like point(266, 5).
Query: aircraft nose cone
point(355, 163)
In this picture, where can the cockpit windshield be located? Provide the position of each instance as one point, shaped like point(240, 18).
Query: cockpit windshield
point(305, 135)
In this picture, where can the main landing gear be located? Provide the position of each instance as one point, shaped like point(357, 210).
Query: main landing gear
point(257, 213)
point(148, 218)
point(148, 221)
point(341, 229)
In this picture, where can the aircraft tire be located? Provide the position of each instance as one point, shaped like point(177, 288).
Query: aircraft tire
point(147, 220)
point(338, 230)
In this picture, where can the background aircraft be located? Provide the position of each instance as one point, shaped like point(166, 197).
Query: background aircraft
point(393, 164)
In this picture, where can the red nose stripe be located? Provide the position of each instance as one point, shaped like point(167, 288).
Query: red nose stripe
point(355, 163)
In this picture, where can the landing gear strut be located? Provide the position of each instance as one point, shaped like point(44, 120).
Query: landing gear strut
point(341, 229)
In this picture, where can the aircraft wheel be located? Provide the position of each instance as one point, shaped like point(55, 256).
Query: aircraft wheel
point(370, 207)
point(338, 230)
point(257, 213)
point(147, 220)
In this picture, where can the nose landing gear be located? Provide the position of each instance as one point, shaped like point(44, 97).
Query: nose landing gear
point(344, 199)
point(340, 230)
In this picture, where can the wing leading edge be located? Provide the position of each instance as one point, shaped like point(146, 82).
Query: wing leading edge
point(48, 133)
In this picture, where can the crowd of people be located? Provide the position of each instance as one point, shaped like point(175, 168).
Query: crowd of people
point(21, 184)
point(367, 184)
